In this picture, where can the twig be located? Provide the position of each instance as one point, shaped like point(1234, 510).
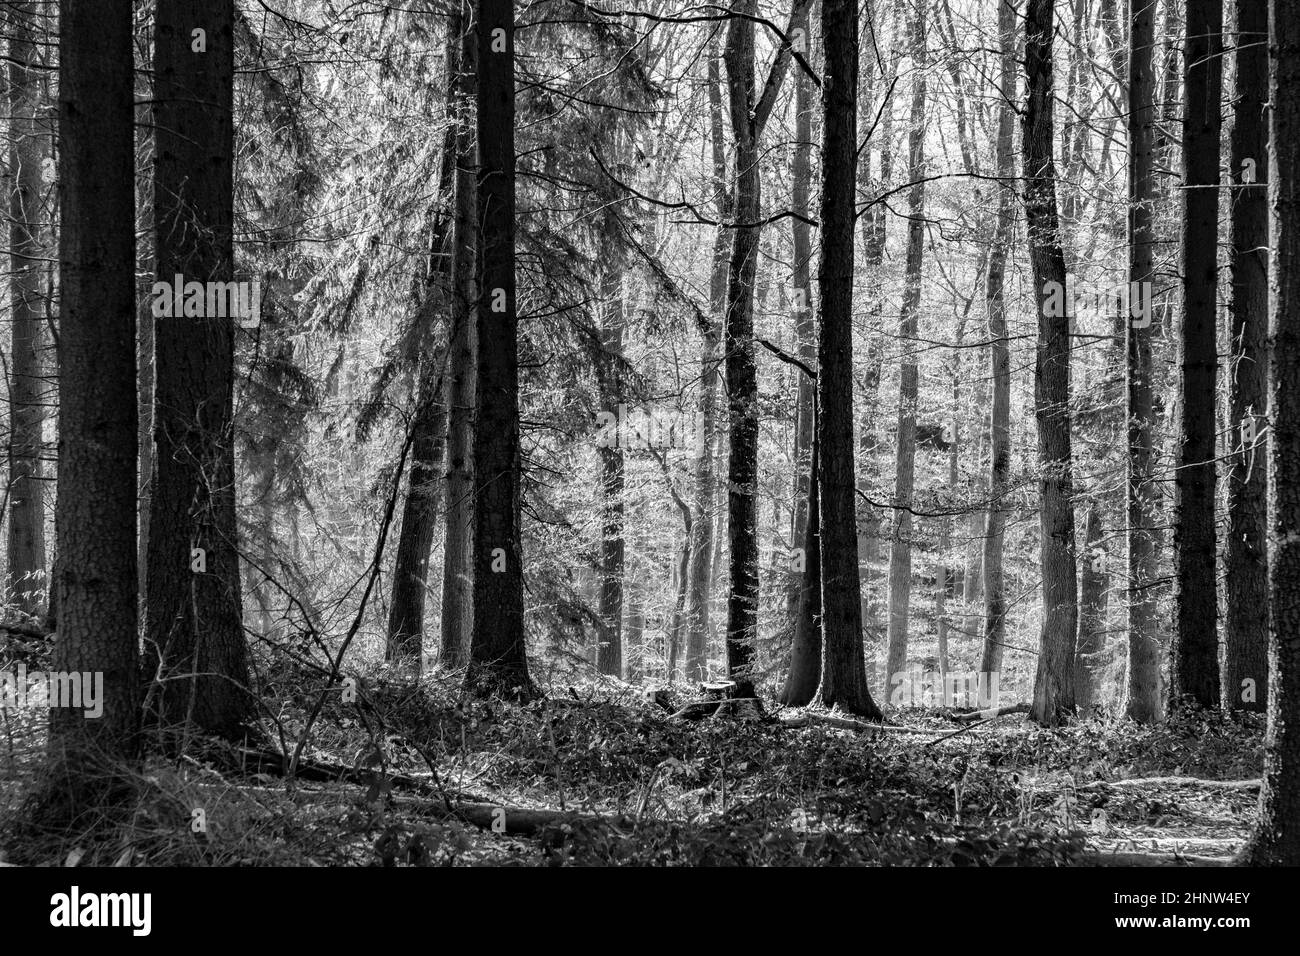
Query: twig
point(972, 726)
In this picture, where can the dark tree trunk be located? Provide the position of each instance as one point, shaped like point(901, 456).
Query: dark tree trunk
point(1277, 835)
point(424, 482)
point(429, 429)
point(844, 676)
point(1245, 659)
point(146, 265)
point(498, 657)
point(28, 137)
point(749, 113)
point(194, 616)
point(419, 513)
point(95, 515)
point(1144, 681)
point(995, 598)
point(741, 371)
point(462, 349)
point(1054, 684)
point(1194, 655)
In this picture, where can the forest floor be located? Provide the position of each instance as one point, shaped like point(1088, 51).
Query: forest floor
point(600, 775)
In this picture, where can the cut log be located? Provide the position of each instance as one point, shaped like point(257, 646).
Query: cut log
point(975, 715)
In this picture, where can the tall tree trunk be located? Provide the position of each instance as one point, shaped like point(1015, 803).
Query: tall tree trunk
point(844, 676)
point(900, 551)
point(462, 349)
point(427, 437)
point(1194, 655)
point(27, 151)
point(681, 587)
point(1144, 681)
point(718, 630)
point(1277, 834)
point(945, 578)
point(194, 638)
point(680, 577)
point(702, 539)
point(1073, 131)
point(873, 241)
point(609, 652)
point(146, 265)
point(804, 675)
point(741, 371)
point(95, 516)
point(749, 113)
point(707, 549)
point(1245, 660)
point(972, 572)
point(424, 482)
point(995, 598)
point(802, 317)
point(633, 629)
point(1171, 97)
point(1054, 684)
point(970, 581)
point(1090, 651)
point(498, 658)
point(419, 511)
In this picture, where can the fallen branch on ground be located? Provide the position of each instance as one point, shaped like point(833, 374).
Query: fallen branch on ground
point(27, 630)
point(1157, 859)
point(1174, 782)
point(844, 723)
point(969, 727)
point(272, 763)
point(978, 715)
point(518, 821)
point(526, 822)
